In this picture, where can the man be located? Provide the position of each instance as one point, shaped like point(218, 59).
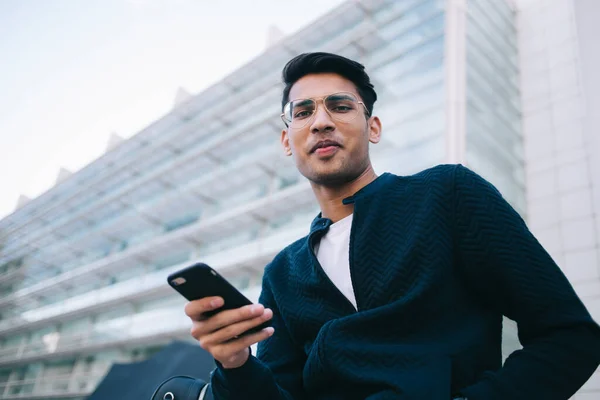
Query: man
point(398, 291)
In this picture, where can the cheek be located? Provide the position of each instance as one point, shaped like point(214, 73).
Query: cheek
point(297, 143)
point(358, 141)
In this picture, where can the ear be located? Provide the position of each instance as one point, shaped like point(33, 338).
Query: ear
point(285, 142)
point(374, 130)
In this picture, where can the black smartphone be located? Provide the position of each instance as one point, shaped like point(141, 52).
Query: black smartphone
point(199, 280)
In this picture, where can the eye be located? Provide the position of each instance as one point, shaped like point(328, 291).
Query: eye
point(342, 108)
point(340, 104)
point(302, 114)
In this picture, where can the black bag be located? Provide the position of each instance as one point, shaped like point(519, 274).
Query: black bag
point(183, 388)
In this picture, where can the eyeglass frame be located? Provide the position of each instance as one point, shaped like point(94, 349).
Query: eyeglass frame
point(315, 99)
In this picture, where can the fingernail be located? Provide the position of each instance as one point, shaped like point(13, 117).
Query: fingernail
point(216, 303)
point(270, 330)
point(255, 309)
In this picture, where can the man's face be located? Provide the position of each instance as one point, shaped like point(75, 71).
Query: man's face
point(329, 151)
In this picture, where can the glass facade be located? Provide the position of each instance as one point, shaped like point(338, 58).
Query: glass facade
point(409, 76)
point(83, 266)
point(494, 144)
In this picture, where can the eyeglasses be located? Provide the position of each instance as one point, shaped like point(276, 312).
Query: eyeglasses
point(341, 106)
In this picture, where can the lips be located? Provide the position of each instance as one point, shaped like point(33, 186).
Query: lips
point(323, 144)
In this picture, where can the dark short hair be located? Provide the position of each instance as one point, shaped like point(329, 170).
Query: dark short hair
point(316, 63)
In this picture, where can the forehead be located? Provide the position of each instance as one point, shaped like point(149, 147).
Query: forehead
point(318, 85)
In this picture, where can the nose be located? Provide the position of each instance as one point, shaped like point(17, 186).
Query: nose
point(322, 121)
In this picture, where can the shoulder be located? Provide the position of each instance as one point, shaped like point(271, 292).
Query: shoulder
point(276, 276)
point(284, 260)
point(438, 179)
point(441, 172)
point(444, 183)
point(468, 183)
point(449, 175)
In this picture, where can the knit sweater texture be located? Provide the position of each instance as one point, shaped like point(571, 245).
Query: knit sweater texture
point(436, 260)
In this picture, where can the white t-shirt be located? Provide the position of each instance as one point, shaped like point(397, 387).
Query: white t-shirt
point(333, 252)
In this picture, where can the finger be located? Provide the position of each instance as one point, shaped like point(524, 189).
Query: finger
point(230, 317)
point(232, 323)
point(194, 309)
point(233, 331)
point(235, 346)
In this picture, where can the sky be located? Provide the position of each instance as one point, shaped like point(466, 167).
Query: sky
point(72, 72)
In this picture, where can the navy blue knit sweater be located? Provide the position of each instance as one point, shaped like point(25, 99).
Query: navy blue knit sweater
point(436, 259)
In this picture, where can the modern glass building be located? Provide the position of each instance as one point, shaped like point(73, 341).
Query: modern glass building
point(83, 267)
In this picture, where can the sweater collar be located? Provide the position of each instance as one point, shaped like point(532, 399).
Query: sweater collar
point(321, 223)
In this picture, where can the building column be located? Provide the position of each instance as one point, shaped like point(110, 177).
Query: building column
point(455, 80)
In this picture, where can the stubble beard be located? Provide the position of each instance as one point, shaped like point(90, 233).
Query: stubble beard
point(341, 175)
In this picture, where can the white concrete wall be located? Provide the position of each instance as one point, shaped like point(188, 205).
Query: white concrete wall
point(562, 191)
point(587, 15)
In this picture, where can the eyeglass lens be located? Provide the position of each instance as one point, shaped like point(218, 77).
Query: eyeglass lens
point(341, 106)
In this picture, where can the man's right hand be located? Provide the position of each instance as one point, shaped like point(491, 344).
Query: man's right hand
point(221, 334)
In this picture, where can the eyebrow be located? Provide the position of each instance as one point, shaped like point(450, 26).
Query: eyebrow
point(336, 96)
point(302, 103)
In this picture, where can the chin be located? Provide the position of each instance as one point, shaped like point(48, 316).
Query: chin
point(333, 177)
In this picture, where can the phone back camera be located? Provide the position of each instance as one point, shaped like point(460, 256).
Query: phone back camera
point(178, 281)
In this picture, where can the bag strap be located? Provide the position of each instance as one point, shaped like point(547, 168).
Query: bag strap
point(174, 384)
point(204, 391)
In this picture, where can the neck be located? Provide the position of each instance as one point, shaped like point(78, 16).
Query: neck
point(330, 198)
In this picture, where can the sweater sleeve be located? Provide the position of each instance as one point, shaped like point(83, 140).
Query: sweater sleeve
point(276, 372)
point(508, 270)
